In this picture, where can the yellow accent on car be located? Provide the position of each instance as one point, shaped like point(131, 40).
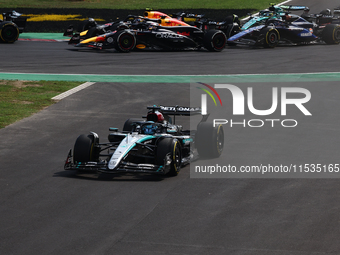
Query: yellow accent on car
point(92, 39)
point(189, 19)
point(140, 46)
point(174, 157)
point(54, 17)
point(83, 33)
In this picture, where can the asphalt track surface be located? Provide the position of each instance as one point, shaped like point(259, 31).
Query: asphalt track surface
point(46, 210)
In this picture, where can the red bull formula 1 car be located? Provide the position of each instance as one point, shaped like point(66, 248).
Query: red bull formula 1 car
point(89, 28)
point(152, 145)
point(142, 33)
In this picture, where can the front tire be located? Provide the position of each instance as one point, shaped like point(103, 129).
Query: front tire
point(214, 40)
point(9, 32)
point(86, 148)
point(169, 149)
point(331, 34)
point(126, 41)
point(271, 37)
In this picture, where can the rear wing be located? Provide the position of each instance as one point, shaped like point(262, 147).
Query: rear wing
point(176, 110)
point(292, 7)
point(16, 18)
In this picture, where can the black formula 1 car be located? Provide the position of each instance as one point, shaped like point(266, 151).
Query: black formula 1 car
point(143, 34)
point(321, 19)
point(230, 25)
point(10, 26)
point(90, 28)
point(290, 30)
point(151, 145)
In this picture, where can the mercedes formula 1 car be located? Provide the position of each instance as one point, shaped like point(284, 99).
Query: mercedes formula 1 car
point(290, 30)
point(10, 26)
point(273, 11)
point(152, 145)
point(280, 12)
point(144, 34)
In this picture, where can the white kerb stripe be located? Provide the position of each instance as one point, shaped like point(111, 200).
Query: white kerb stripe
point(72, 91)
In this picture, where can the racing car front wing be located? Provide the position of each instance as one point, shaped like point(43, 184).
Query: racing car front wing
point(122, 167)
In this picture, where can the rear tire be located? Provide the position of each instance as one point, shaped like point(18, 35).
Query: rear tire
point(9, 32)
point(214, 40)
point(232, 29)
point(126, 41)
point(209, 140)
point(128, 124)
point(164, 147)
point(331, 34)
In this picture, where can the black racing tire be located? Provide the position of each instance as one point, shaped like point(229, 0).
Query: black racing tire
point(125, 42)
point(331, 34)
point(9, 32)
point(214, 40)
point(271, 37)
point(83, 149)
point(209, 140)
point(232, 30)
point(128, 124)
point(169, 146)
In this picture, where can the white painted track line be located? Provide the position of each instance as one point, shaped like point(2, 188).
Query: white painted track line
point(72, 91)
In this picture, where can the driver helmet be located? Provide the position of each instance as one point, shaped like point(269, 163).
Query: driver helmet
point(138, 20)
point(92, 21)
point(236, 19)
point(155, 117)
point(326, 12)
point(264, 12)
point(287, 16)
point(149, 129)
point(272, 8)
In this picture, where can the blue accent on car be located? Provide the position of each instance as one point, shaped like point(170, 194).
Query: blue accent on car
point(187, 140)
point(245, 32)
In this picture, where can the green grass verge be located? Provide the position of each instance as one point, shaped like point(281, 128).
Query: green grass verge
point(135, 5)
point(20, 99)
